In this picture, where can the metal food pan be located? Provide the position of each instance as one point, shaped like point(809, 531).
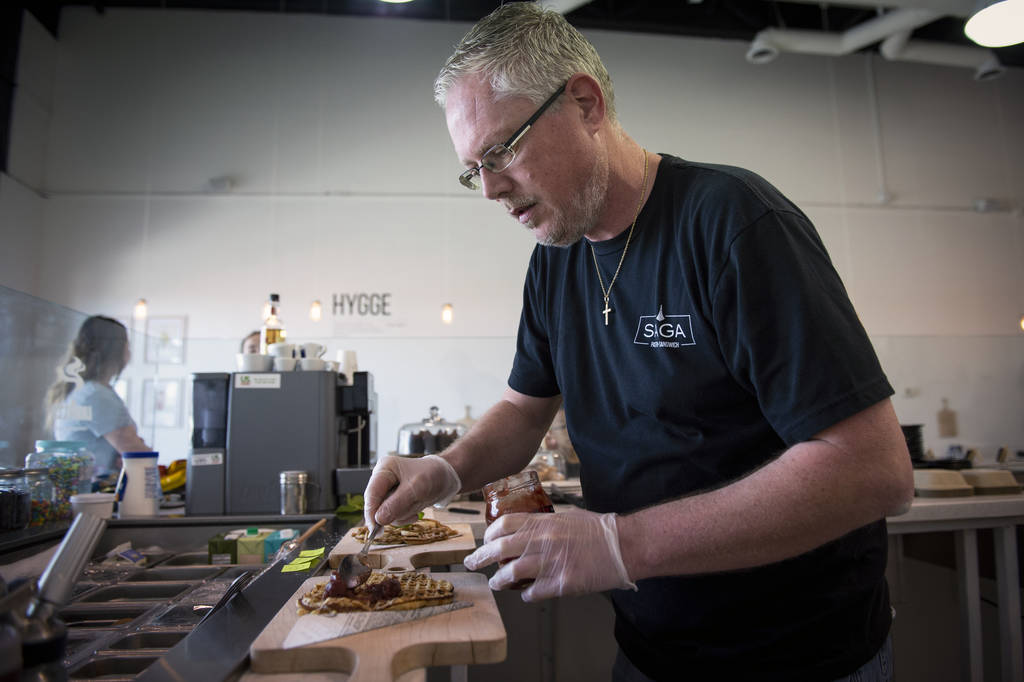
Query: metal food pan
point(153, 639)
point(173, 573)
point(179, 616)
point(188, 559)
point(238, 569)
point(129, 592)
point(81, 588)
point(118, 667)
point(102, 616)
point(92, 639)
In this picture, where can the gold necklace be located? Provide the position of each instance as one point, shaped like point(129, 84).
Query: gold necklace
point(607, 292)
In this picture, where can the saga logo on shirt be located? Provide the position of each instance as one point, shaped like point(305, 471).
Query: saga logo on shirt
point(664, 331)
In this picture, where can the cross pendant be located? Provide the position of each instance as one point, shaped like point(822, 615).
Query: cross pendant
point(607, 309)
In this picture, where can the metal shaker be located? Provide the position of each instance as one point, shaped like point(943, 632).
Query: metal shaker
point(293, 492)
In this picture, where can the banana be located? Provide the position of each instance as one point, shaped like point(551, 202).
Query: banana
point(172, 481)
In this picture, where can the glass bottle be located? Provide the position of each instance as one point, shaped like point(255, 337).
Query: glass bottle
point(71, 468)
point(15, 501)
point(272, 330)
point(41, 492)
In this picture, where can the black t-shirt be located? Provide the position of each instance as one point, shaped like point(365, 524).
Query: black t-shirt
point(731, 338)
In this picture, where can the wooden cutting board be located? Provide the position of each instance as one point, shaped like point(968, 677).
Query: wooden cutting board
point(407, 557)
point(469, 635)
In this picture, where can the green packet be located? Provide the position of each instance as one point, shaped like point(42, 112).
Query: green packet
point(352, 508)
point(353, 503)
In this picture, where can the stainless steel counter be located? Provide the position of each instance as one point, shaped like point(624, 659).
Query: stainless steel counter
point(128, 621)
point(218, 647)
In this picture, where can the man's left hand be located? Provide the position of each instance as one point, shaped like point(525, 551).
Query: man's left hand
point(563, 554)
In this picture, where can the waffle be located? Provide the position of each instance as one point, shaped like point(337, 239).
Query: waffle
point(417, 590)
point(417, 533)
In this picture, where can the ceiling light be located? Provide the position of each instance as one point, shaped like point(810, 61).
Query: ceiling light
point(316, 311)
point(997, 24)
point(395, 2)
point(140, 310)
point(446, 313)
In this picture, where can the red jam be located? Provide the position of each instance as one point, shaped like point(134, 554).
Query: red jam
point(520, 492)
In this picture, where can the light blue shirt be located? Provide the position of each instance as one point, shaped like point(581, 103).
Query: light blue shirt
point(90, 412)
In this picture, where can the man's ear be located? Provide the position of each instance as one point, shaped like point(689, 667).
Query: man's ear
point(585, 93)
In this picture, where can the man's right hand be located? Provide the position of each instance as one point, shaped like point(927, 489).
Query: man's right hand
point(400, 487)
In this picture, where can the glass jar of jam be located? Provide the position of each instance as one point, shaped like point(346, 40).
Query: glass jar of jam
point(520, 492)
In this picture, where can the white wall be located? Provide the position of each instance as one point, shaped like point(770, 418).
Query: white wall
point(345, 181)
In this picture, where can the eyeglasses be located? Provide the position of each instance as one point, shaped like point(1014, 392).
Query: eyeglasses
point(500, 156)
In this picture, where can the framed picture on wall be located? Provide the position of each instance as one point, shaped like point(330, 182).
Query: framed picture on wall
point(161, 402)
point(165, 340)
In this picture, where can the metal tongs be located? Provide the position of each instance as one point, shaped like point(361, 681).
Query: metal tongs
point(353, 570)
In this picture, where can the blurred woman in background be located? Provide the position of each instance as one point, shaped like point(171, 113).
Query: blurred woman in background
point(82, 405)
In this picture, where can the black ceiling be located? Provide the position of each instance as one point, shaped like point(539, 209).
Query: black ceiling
point(731, 19)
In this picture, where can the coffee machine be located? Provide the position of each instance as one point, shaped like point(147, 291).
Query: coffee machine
point(311, 421)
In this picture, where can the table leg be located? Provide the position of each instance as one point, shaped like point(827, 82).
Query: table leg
point(970, 602)
point(1007, 583)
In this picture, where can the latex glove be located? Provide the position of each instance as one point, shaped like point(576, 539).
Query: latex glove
point(565, 554)
point(400, 487)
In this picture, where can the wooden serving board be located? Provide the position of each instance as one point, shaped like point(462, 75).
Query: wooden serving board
point(408, 557)
point(464, 636)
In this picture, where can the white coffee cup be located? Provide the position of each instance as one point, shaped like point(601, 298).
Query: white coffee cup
point(313, 350)
point(312, 364)
point(254, 362)
point(97, 504)
point(347, 363)
point(284, 364)
point(330, 365)
point(282, 350)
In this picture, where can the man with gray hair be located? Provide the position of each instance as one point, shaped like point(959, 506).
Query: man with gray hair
point(738, 446)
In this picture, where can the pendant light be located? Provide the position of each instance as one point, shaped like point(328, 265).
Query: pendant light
point(316, 311)
point(140, 310)
point(997, 23)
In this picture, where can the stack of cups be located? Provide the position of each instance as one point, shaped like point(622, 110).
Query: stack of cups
point(284, 356)
point(347, 363)
point(312, 357)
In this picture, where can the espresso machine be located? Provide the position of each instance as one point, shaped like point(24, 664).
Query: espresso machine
point(312, 421)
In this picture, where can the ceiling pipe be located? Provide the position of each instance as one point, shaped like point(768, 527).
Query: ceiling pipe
point(563, 6)
point(899, 47)
point(768, 43)
point(896, 25)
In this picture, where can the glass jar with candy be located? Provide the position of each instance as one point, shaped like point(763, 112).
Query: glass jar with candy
point(71, 468)
point(42, 495)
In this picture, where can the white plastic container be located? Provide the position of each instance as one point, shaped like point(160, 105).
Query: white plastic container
point(97, 504)
point(138, 487)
